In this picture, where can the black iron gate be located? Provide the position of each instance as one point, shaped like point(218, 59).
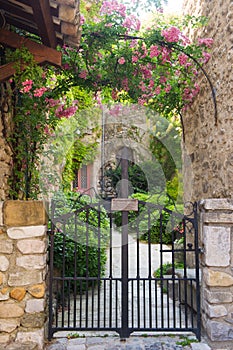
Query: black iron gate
point(104, 278)
point(130, 291)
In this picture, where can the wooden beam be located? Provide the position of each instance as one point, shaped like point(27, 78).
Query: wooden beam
point(42, 54)
point(6, 71)
point(44, 21)
point(15, 11)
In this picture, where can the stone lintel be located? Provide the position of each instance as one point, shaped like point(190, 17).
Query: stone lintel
point(24, 213)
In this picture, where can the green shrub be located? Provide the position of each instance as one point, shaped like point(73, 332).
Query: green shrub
point(153, 234)
point(166, 268)
point(80, 241)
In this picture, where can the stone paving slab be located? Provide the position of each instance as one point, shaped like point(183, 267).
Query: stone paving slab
point(132, 343)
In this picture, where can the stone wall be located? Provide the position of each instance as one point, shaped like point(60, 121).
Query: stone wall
point(23, 269)
point(208, 145)
point(216, 223)
point(5, 151)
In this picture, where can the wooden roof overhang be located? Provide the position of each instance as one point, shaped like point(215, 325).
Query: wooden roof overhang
point(55, 22)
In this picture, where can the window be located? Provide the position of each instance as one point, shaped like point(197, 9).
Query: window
point(83, 179)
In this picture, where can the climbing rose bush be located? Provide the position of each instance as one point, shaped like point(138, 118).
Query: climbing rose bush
point(38, 109)
point(155, 66)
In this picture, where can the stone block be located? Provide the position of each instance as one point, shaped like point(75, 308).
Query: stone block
point(217, 204)
point(24, 279)
point(34, 320)
point(10, 310)
point(67, 13)
point(37, 291)
point(219, 331)
point(217, 244)
point(35, 305)
point(1, 213)
point(31, 246)
point(4, 263)
point(18, 293)
point(4, 294)
point(22, 346)
point(34, 337)
point(24, 213)
point(31, 261)
point(8, 326)
point(200, 346)
point(26, 232)
point(6, 246)
point(1, 278)
point(4, 338)
point(218, 279)
point(69, 29)
point(215, 311)
point(217, 218)
point(218, 297)
point(68, 2)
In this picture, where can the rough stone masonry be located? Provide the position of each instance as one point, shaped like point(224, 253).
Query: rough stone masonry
point(23, 270)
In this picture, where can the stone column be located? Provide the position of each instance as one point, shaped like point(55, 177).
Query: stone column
point(216, 228)
point(23, 268)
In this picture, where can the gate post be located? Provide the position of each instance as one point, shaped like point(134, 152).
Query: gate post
point(23, 272)
point(216, 229)
point(124, 192)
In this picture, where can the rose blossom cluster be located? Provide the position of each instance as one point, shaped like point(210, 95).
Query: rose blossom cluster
point(109, 7)
point(130, 22)
point(154, 67)
point(61, 110)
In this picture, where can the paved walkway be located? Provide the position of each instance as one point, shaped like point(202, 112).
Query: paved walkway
point(160, 342)
point(104, 303)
